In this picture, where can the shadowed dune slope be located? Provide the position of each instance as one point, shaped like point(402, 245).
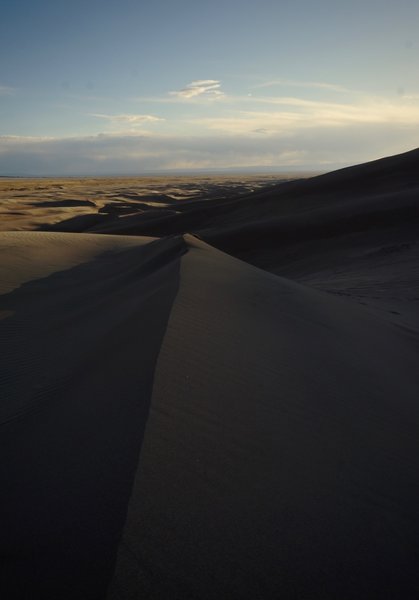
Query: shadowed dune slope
point(353, 232)
point(382, 191)
point(82, 322)
point(382, 195)
point(281, 452)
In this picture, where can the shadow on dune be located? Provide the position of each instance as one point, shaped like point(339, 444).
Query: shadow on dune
point(63, 203)
point(78, 355)
point(281, 450)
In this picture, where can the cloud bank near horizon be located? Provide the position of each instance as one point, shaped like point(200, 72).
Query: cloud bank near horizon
point(323, 148)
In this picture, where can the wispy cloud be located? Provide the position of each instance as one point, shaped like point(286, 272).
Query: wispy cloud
point(332, 87)
point(288, 116)
point(206, 88)
point(6, 90)
point(128, 119)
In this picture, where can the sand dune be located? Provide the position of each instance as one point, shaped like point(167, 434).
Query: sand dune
point(280, 455)
point(179, 423)
point(79, 344)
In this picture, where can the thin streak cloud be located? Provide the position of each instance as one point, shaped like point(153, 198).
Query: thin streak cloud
point(129, 119)
point(332, 87)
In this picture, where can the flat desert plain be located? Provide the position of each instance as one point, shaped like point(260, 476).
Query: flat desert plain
point(210, 388)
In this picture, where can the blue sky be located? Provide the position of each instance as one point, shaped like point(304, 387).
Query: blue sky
point(100, 87)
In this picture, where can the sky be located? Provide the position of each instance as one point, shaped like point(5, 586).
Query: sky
point(95, 87)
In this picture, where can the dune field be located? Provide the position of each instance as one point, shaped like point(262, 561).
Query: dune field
point(210, 387)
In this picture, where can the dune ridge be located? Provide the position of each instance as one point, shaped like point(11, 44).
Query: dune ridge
point(279, 458)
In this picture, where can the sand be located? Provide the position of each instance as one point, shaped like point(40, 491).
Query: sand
point(77, 204)
point(78, 346)
point(179, 423)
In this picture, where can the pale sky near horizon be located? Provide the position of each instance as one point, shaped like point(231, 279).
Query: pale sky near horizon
point(99, 87)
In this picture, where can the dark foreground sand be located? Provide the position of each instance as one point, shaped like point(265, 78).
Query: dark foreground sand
point(177, 423)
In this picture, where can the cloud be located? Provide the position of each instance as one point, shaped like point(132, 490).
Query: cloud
point(316, 147)
point(207, 88)
point(6, 90)
point(332, 87)
point(289, 116)
point(128, 119)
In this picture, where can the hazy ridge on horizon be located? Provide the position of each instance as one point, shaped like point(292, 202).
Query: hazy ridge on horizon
point(244, 171)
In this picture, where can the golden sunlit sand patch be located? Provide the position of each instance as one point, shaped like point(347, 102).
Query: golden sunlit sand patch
point(31, 203)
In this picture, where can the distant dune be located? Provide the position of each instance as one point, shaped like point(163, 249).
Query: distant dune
point(211, 392)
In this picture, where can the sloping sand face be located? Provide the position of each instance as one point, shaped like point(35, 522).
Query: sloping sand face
point(281, 452)
point(81, 331)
